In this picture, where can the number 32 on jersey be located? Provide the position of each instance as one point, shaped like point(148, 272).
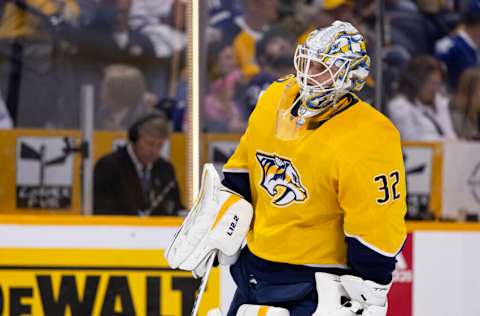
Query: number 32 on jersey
point(387, 185)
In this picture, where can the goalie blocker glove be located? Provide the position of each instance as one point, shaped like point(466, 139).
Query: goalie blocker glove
point(349, 295)
point(219, 221)
point(372, 296)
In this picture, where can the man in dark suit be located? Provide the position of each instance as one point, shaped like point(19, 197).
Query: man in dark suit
point(135, 180)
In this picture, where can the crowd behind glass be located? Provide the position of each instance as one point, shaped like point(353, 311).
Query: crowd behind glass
point(133, 53)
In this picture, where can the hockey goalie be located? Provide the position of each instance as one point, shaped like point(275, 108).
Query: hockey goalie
point(310, 213)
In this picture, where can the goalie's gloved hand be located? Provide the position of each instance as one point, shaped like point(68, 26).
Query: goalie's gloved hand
point(220, 259)
point(370, 295)
point(349, 295)
point(219, 221)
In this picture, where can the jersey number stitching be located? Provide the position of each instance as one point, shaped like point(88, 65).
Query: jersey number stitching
point(389, 192)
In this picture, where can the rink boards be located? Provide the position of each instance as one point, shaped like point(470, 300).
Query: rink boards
point(69, 265)
point(31, 186)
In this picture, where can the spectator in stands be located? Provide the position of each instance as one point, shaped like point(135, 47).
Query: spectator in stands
point(149, 12)
point(340, 10)
point(223, 18)
point(420, 111)
point(146, 17)
point(256, 19)
point(124, 98)
point(274, 54)
point(175, 105)
point(319, 18)
point(329, 11)
point(221, 112)
point(459, 51)
point(110, 40)
point(32, 18)
point(163, 22)
point(407, 27)
point(417, 25)
point(135, 180)
point(31, 52)
point(466, 105)
point(88, 11)
point(441, 18)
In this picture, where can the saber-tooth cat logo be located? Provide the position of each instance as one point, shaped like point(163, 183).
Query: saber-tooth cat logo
point(44, 173)
point(281, 180)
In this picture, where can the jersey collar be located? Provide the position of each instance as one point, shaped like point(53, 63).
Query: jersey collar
point(343, 104)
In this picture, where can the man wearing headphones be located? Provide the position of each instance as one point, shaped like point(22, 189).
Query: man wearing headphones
point(135, 180)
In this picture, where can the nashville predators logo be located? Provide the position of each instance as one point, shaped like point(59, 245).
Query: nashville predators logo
point(281, 180)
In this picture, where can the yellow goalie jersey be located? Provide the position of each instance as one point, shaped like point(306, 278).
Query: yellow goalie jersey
point(342, 179)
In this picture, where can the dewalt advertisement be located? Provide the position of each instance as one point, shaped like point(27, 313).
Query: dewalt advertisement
point(98, 282)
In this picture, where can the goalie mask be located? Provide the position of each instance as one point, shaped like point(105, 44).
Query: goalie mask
point(332, 62)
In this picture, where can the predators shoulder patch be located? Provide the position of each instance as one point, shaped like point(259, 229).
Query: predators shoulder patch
point(281, 180)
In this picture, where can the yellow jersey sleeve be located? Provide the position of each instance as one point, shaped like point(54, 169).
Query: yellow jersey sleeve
point(372, 195)
point(238, 162)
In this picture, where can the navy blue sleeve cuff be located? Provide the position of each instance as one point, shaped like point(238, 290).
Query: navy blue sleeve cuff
point(239, 183)
point(369, 264)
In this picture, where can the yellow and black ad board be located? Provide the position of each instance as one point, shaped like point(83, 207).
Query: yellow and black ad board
point(98, 282)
